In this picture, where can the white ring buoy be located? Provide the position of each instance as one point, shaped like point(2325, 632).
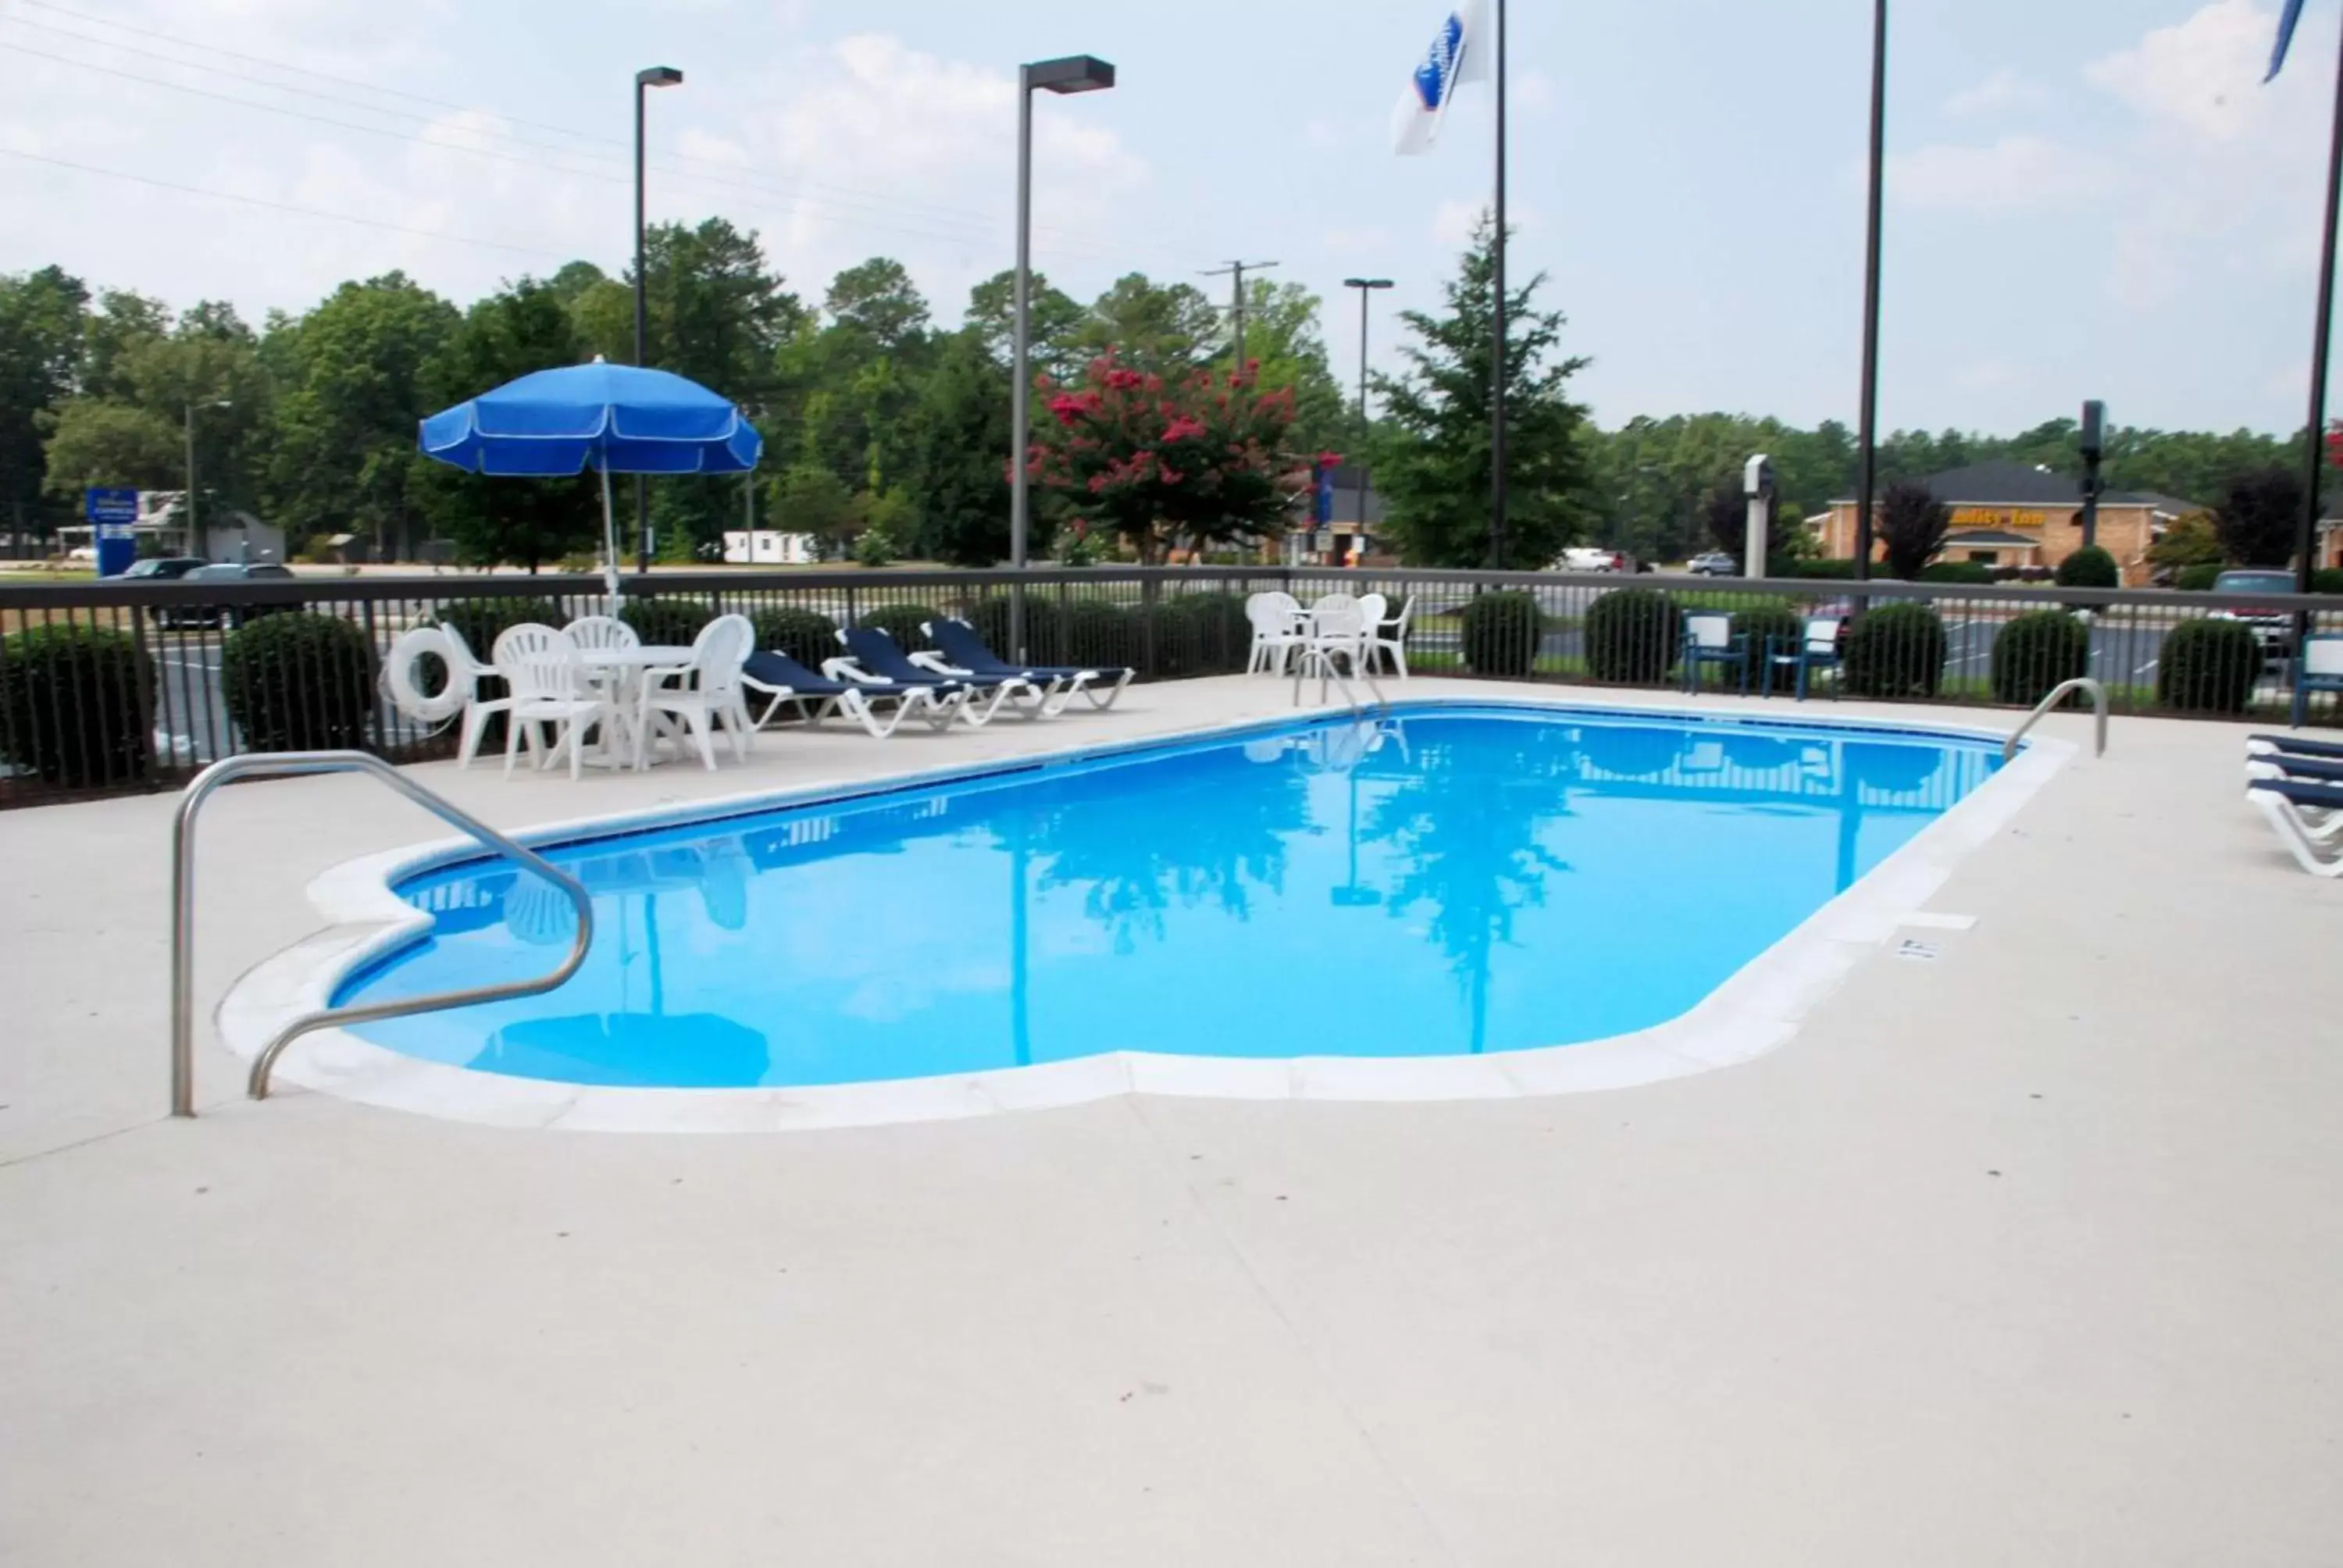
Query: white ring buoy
point(398, 672)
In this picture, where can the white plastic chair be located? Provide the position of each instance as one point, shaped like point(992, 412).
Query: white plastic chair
point(1338, 629)
point(713, 699)
point(600, 633)
point(478, 710)
point(548, 687)
point(1390, 637)
point(1275, 634)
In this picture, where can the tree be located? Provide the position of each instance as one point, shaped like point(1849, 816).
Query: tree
point(100, 441)
point(2259, 519)
point(1436, 469)
point(808, 499)
point(342, 433)
point(1912, 527)
point(1286, 348)
point(1202, 459)
point(716, 313)
point(525, 327)
point(2193, 542)
point(1728, 516)
point(40, 353)
point(958, 440)
point(1156, 329)
point(1057, 321)
point(877, 301)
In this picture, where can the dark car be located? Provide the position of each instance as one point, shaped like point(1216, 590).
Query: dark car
point(162, 568)
point(2274, 629)
point(228, 615)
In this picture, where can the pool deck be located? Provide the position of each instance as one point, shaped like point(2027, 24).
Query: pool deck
point(2032, 1253)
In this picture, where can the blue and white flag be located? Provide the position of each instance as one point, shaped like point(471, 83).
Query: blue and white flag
point(2286, 21)
point(1459, 53)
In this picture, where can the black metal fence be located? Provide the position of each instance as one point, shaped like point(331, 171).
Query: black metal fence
point(111, 687)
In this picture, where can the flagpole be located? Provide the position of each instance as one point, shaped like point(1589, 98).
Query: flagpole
point(1867, 436)
point(1497, 354)
point(2315, 464)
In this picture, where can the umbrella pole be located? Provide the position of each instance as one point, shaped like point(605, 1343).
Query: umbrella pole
point(609, 543)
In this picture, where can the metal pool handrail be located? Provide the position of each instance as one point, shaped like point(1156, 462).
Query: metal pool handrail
point(183, 912)
point(2057, 695)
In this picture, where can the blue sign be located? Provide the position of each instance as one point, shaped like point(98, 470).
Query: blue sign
point(111, 514)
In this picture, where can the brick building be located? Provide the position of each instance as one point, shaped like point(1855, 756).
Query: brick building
point(2014, 515)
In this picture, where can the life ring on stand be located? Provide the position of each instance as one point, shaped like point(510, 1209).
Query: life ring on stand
point(411, 700)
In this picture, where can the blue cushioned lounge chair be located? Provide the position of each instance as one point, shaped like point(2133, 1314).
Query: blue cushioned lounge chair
point(780, 678)
point(960, 649)
point(874, 656)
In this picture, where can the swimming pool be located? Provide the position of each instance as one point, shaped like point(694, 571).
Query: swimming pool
point(1450, 880)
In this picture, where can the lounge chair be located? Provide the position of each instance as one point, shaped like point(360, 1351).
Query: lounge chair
point(2323, 825)
point(959, 649)
point(780, 678)
point(2293, 745)
point(2283, 802)
point(873, 656)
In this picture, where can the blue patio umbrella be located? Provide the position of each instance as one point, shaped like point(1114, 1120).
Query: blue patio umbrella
point(612, 418)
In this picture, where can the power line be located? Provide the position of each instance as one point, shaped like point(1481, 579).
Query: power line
point(1236, 270)
point(278, 205)
point(758, 179)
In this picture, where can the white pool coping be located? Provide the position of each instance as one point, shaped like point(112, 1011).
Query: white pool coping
point(1755, 1010)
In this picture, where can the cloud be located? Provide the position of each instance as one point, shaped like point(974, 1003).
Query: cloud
point(1356, 241)
point(1323, 132)
point(1534, 91)
point(1985, 376)
point(2015, 174)
point(2200, 73)
point(1998, 94)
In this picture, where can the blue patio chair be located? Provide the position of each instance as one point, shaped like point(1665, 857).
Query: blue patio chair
point(2317, 668)
point(874, 658)
point(2257, 745)
point(1709, 638)
point(959, 647)
point(1812, 649)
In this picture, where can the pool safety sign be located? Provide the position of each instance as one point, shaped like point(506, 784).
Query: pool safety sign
point(111, 514)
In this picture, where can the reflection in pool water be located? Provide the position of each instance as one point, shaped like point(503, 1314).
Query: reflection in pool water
point(1452, 881)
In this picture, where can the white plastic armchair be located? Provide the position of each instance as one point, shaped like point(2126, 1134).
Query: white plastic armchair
point(704, 696)
point(549, 689)
point(1338, 627)
point(466, 670)
point(1276, 632)
point(600, 633)
point(1385, 636)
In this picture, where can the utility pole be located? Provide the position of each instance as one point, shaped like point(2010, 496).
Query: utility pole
point(1867, 481)
point(1366, 288)
point(1236, 270)
point(1497, 344)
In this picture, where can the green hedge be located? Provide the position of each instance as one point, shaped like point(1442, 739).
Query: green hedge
point(901, 621)
point(805, 635)
point(299, 683)
point(2199, 579)
point(480, 622)
point(1089, 632)
point(666, 622)
point(2090, 566)
point(2208, 666)
point(1897, 650)
point(2035, 651)
point(1220, 638)
point(75, 705)
point(1500, 632)
point(2327, 579)
point(1821, 570)
point(1955, 572)
point(1633, 636)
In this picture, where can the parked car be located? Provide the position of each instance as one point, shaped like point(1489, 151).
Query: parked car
point(1587, 558)
point(162, 568)
point(231, 616)
point(1714, 564)
point(2274, 629)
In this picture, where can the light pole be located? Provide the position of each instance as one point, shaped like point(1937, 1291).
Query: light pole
point(1867, 438)
point(649, 76)
point(195, 525)
point(1073, 74)
point(1366, 288)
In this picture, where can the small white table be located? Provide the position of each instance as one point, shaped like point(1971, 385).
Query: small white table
point(620, 672)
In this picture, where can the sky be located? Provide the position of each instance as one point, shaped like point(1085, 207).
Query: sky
point(2085, 198)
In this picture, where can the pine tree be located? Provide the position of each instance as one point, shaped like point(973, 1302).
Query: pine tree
point(1434, 467)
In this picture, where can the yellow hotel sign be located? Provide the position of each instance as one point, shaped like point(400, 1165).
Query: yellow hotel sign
point(1998, 518)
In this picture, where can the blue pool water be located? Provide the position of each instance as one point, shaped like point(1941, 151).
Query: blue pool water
point(1444, 881)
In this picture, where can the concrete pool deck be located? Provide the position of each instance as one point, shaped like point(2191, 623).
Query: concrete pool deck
point(2031, 1253)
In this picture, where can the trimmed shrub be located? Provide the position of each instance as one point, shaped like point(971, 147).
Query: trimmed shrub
point(1094, 631)
point(1043, 633)
point(480, 622)
point(807, 635)
point(70, 705)
point(299, 683)
point(2197, 579)
point(1222, 636)
point(1955, 572)
point(1896, 651)
point(2208, 666)
point(1633, 636)
point(1766, 624)
point(2035, 651)
point(903, 622)
point(1822, 570)
point(2327, 579)
point(1501, 632)
point(666, 622)
point(2090, 566)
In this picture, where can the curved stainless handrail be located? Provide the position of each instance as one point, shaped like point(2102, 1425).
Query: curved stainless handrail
point(182, 912)
point(2057, 695)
